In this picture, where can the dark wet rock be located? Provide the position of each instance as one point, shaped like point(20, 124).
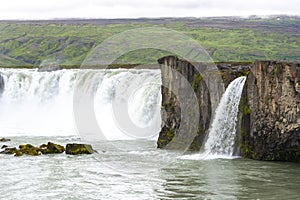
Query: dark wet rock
point(75, 149)
point(50, 68)
point(30, 150)
point(4, 146)
point(4, 140)
point(229, 72)
point(51, 148)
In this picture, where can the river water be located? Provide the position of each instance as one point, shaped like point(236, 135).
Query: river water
point(111, 174)
point(39, 107)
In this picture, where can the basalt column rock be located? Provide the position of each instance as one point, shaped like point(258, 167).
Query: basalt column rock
point(171, 67)
point(270, 110)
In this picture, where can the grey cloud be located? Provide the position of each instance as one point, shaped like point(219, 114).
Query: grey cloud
point(147, 8)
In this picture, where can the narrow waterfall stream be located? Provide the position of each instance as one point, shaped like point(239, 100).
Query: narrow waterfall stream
point(220, 141)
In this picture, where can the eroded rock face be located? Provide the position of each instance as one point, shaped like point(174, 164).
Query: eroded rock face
point(270, 107)
point(174, 98)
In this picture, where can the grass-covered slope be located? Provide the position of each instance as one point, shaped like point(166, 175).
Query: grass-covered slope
point(67, 42)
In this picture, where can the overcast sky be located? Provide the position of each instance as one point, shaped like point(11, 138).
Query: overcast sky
point(49, 9)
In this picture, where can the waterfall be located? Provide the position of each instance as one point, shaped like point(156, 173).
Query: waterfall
point(220, 141)
point(221, 136)
point(41, 103)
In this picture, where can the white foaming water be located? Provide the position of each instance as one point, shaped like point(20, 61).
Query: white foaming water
point(41, 103)
point(221, 137)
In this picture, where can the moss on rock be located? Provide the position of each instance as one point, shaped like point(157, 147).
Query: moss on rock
point(166, 136)
point(30, 150)
point(76, 149)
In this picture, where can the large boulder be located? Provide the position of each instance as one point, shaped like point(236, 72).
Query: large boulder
point(75, 149)
point(51, 148)
point(29, 150)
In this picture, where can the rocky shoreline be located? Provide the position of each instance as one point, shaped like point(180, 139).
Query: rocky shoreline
point(269, 113)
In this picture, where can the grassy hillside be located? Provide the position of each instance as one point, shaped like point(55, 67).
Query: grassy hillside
point(67, 42)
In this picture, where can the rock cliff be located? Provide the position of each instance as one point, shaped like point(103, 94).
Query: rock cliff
point(270, 112)
point(174, 89)
point(172, 115)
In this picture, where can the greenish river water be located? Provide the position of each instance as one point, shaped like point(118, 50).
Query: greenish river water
point(137, 170)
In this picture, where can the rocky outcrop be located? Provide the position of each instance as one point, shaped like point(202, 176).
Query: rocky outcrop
point(174, 88)
point(270, 112)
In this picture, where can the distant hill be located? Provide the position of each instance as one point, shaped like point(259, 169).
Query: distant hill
point(227, 39)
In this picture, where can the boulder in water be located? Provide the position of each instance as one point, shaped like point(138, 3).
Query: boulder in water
point(4, 140)
point(30, 150)
point(4, 146)
point(75, 149)
point(51, 148)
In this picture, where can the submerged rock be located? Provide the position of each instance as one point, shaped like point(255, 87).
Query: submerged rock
point(4, 146)
point(51, 148)
point(75, 149)
point(4, 140)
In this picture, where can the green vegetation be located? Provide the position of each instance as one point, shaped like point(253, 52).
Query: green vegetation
point(226, 39)
point(196, 81)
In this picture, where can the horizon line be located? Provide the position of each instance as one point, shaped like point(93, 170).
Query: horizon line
point(136, 18)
